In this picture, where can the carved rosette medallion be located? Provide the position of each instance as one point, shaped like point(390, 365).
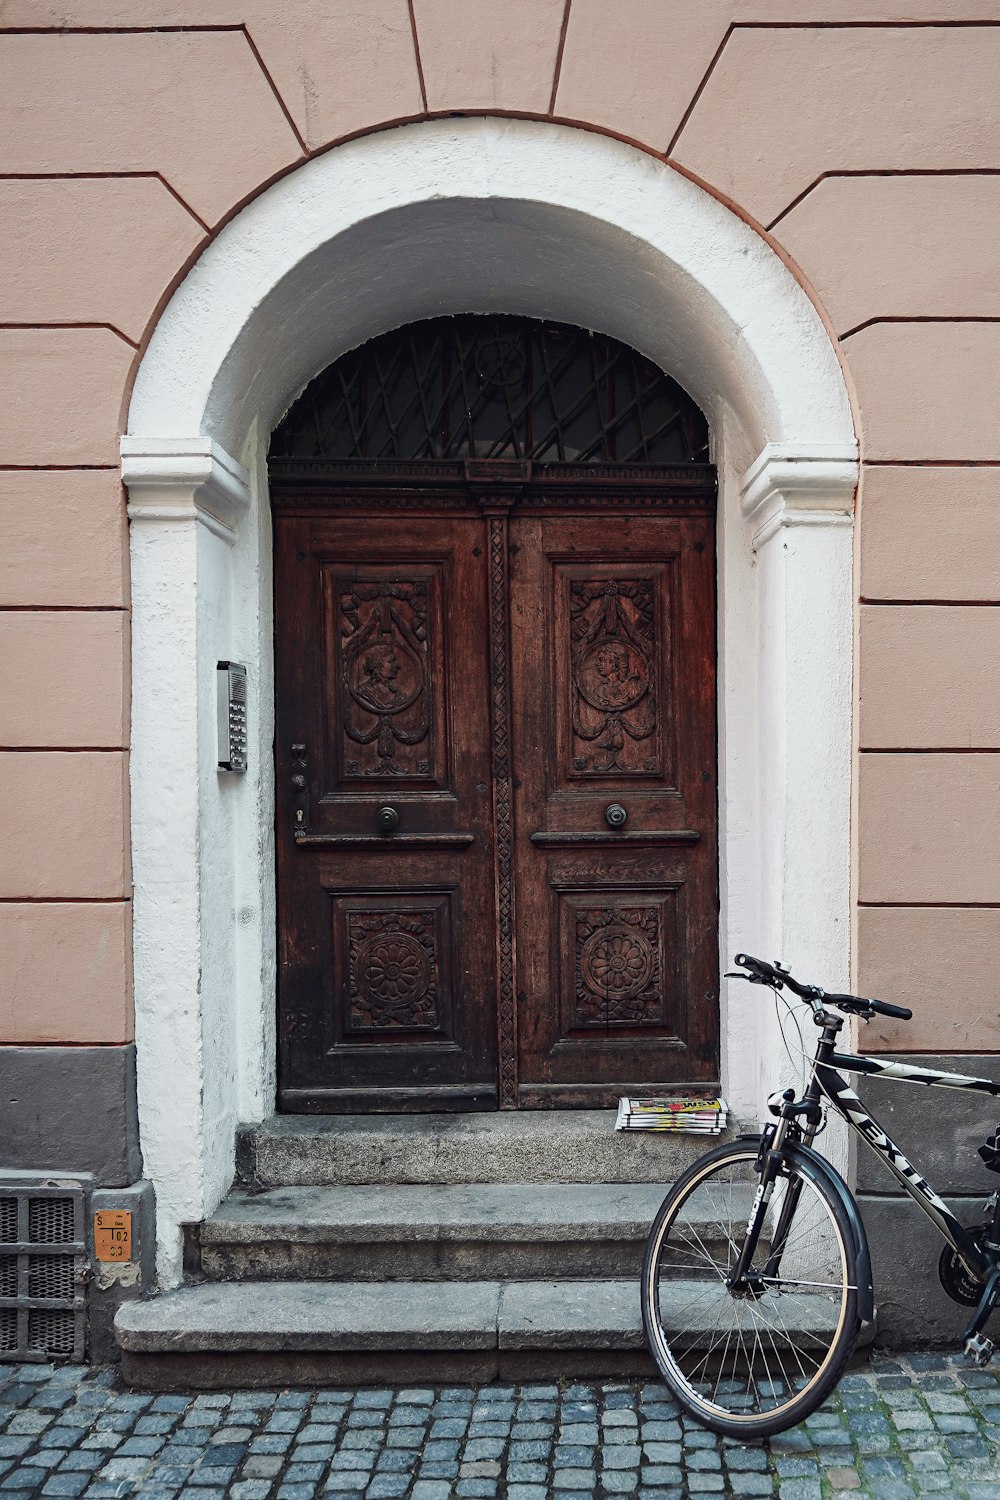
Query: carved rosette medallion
point(393, 970)
point(385, 678)
point(613, 676)
point(617, 966)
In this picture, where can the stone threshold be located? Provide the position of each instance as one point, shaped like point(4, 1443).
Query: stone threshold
point(530, 1146)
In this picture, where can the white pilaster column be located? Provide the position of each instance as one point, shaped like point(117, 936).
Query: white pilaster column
point(799, 508)
point(186, 499)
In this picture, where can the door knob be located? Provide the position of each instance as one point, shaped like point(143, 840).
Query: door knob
point(387, 819)
point(615, 815)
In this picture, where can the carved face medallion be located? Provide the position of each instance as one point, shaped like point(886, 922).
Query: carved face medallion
point(385, 672)
point(612, 676)
point(385, 678)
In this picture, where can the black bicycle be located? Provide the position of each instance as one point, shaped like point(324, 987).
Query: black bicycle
point(757, 1275)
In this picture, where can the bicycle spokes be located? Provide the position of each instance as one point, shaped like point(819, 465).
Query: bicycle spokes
point(747, 1348)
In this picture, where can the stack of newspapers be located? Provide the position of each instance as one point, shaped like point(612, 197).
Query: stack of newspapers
point(699, 1116)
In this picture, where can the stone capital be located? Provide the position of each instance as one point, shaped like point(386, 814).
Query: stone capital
point(789, 486)
point(184, 479)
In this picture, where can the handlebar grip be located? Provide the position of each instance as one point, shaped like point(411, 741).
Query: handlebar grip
point(860, 1005)
point(756, 966)
point(773, 975)
point(901, 1012)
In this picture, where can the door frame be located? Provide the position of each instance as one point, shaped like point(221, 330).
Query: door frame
point(466, 214)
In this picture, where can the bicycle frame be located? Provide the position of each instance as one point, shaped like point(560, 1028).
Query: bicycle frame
point(847, 1104)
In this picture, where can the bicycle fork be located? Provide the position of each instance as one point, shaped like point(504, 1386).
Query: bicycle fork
point(770, 1162)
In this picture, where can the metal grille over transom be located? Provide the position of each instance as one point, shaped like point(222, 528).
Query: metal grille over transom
point(486, 387)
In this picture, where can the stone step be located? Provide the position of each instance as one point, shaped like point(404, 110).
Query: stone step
point(339, 1333)
point(322, 1332)
point(571, 1146)
point(523, 1231)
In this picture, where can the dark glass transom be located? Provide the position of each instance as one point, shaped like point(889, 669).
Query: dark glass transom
point(494, 387)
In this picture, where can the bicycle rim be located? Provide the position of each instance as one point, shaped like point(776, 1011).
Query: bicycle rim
point(757, 1363)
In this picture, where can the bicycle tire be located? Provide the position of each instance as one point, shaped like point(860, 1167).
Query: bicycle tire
point(763, 1408)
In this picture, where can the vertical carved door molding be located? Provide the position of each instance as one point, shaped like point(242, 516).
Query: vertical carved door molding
point(496, 510)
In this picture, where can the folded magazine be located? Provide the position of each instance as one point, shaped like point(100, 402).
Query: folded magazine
point(694, 1116)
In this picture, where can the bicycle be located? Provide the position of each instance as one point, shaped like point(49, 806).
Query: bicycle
point(757, 1275)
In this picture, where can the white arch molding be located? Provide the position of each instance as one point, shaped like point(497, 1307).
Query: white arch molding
point(469, 215)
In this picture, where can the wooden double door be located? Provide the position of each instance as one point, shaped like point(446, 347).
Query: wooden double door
point(496, 750)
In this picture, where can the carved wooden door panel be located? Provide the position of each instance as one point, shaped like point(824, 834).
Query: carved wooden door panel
point(387, 986)
point(614, 757)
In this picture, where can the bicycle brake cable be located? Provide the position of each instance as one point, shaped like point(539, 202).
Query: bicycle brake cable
point(803, 1054)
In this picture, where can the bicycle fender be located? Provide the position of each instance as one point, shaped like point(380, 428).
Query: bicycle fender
point(866, 1292)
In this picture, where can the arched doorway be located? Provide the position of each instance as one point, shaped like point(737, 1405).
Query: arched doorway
point(448, 215)
point(495, 724)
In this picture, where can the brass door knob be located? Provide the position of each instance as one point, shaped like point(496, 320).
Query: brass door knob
point(387, 819)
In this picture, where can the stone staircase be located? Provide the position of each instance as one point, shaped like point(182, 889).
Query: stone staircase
point(428, 1248)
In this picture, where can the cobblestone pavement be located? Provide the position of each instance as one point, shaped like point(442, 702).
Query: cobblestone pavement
point(922, 1425)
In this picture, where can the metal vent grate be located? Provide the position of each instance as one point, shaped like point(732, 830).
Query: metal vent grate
point(51, 1332)
point(51, 1276)
point(42, 1261)
point(8, 1329)
point(8, 1220)
point(51, 1221)
point(8, 1275)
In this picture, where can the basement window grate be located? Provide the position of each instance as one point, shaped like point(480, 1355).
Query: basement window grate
point(8, 1220)
point(43, 1262)
point(8, 1329)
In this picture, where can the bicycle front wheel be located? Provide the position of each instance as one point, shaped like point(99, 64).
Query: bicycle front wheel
point(750, 1364)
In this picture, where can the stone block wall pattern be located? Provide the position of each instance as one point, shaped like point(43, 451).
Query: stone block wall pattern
point(71, 1109)
point(940, 961)
point(69, 383)
point(175, 91)
point(65, 540)
point(62, 679)
point(806, 100)
point(91, 276)
point(932, 535)
point(65, 972)
point(860, 138)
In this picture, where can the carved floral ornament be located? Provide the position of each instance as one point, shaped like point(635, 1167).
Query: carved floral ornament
point(618, 966)
point(393, 970)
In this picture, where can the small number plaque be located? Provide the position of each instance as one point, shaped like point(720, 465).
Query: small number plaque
point(113, 1234)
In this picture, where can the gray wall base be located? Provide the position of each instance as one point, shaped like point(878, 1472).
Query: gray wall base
point(914, 1311)
point(70, 1109)
point(940, 1131)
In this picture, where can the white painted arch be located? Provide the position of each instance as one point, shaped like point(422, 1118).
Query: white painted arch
point(469, 215)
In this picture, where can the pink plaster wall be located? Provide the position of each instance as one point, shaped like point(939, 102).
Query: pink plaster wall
point(864, 133)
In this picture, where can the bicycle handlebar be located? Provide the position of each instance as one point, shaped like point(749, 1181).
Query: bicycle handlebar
point(761, 972)
point(880, 1007)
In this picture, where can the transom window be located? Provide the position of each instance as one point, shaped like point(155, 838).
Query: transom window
point(494, 387)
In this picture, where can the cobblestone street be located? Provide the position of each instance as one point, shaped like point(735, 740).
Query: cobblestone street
point(921, 1425)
